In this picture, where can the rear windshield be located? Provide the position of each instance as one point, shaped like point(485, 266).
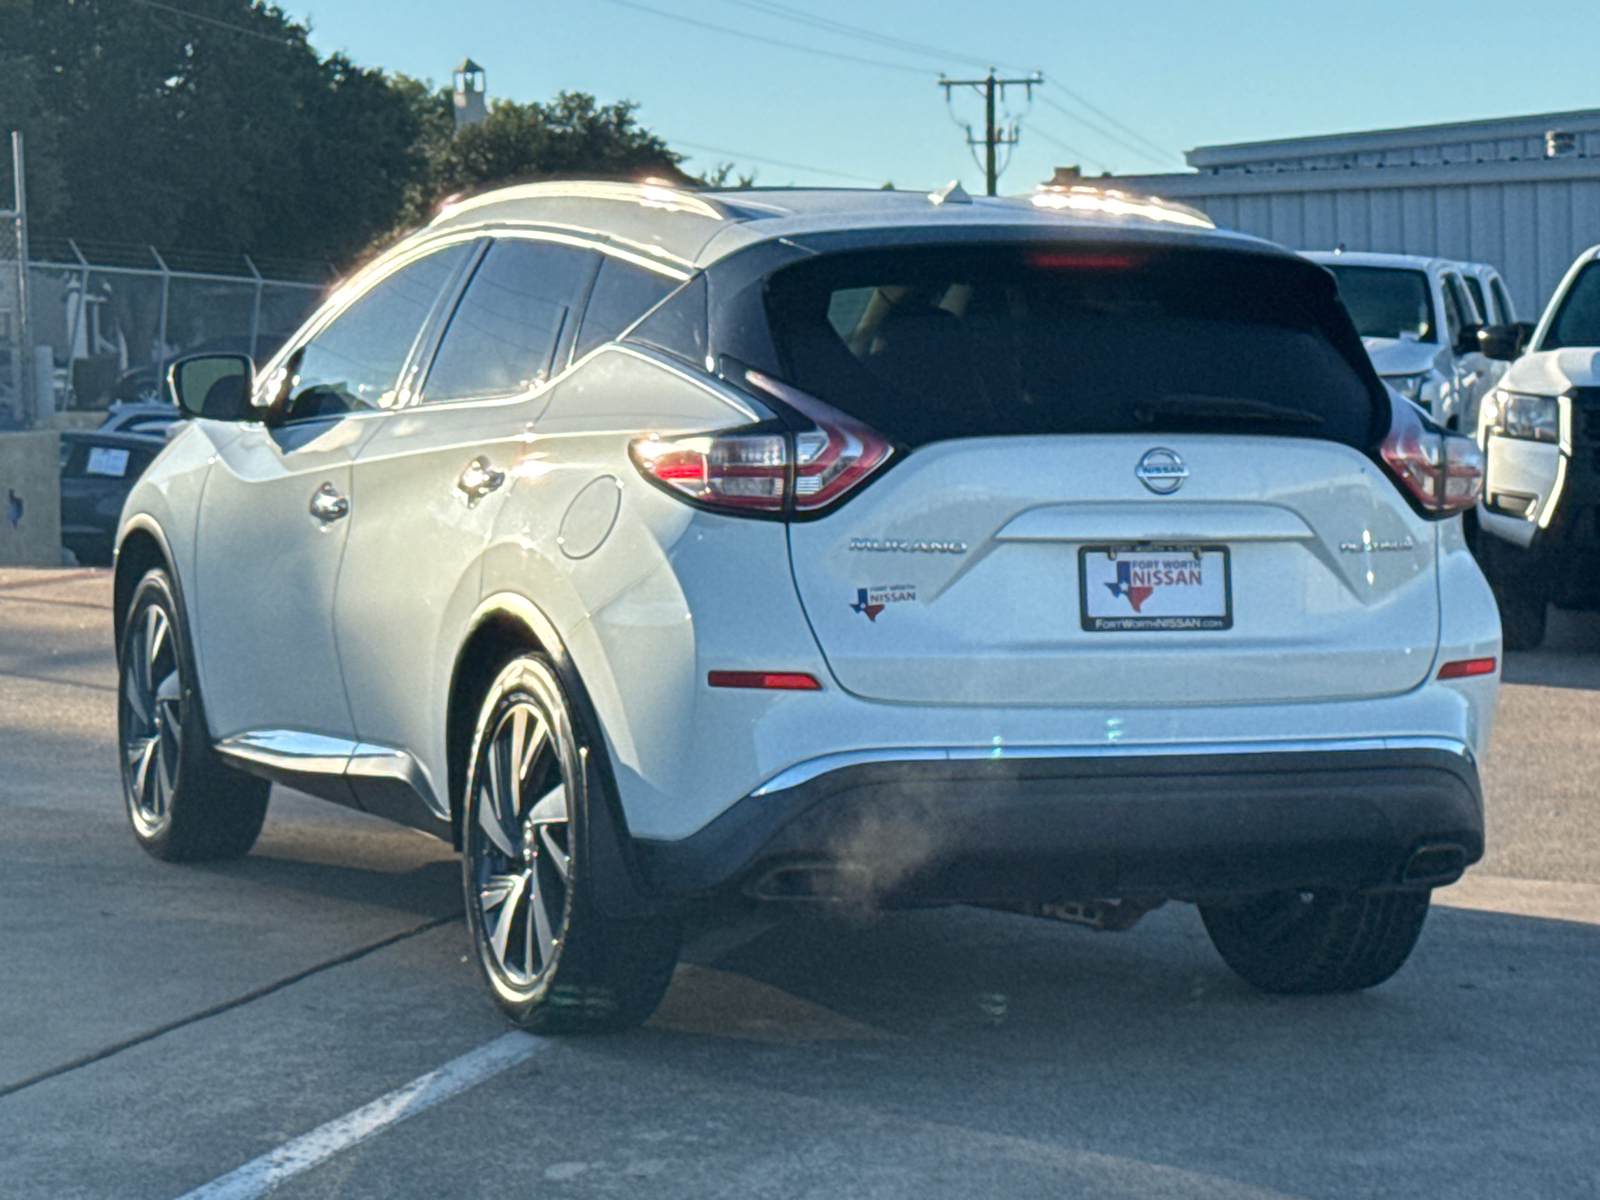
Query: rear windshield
point(1387, 302)
point(1577, 321)
point(927, 344)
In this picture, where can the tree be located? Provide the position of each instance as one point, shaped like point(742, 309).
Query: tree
point(218, 127)
point(573, 135)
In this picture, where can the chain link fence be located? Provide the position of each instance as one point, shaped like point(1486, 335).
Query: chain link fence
point(105, 320)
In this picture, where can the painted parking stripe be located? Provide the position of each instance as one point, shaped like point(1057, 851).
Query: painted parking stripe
point(260, 1175)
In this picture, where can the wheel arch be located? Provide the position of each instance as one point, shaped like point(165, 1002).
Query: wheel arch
point(503, 626)
point(143, 546)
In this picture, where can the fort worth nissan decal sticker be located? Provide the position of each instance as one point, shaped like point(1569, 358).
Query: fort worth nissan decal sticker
point(870, 601)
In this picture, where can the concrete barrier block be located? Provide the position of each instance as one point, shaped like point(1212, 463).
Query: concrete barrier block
point(30, 499)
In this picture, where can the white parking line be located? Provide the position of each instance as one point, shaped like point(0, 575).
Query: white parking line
point(260, 1175)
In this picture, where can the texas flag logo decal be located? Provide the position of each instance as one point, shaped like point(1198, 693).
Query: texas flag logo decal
point(870, 601)
point(1136, 593)
point(865, 606)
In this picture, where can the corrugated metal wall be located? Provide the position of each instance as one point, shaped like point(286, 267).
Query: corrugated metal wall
point(1530, 231)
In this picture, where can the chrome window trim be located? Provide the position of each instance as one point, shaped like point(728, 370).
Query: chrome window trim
point(804, 772)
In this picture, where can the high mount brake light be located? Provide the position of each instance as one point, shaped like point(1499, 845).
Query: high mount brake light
point(763, 470)
point(1441, 472)
point(1067, 261)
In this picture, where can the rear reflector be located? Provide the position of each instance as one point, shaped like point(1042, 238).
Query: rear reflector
point(780, 681)
point(1466, 667)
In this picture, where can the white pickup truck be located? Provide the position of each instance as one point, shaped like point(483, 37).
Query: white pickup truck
point(1539, 522)
point(1420, 325)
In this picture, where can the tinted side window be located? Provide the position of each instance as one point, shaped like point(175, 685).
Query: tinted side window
point(503, 333)
point(623, 292)
point(678, 324)
point(1478, 298)
point(355, 362)
point(1502, 300)
point(1453, 317)
point(1577, 321)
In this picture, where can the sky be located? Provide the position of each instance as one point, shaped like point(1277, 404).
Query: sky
point(840, 93)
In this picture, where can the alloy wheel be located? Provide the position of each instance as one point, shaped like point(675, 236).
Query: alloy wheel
point(520, 847)
point(152, 720)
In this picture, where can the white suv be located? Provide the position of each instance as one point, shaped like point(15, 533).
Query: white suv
point(1420, 323)
point(850, 546)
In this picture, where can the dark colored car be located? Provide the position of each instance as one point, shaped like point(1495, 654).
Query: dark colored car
point(97, 471)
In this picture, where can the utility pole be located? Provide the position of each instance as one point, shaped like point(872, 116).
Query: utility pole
point(988, 87)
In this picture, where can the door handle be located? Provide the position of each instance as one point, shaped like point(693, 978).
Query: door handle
point(479, 479)
point(328, 505)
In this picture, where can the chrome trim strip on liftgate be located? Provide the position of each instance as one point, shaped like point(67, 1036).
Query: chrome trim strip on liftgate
point(810, 769)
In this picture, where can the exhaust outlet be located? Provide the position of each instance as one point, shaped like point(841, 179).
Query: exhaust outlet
point(813, 883)
point(1435, 865)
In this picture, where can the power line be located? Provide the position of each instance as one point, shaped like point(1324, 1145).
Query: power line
point(183, 12)
point(773, 162)
point(756, 37)
point(1110, 136)
point(1033, 127)
point(1146, 149)
point(786, 12)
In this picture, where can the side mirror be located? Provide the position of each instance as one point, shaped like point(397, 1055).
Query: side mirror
point(214, 386)
point(1500, 342)
point(1468, 341)
point(1524, 333)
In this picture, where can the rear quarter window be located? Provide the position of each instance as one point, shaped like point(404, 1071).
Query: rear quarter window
point(928, 344)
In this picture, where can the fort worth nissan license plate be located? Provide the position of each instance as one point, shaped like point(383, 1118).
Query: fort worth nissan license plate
point(1154, 587)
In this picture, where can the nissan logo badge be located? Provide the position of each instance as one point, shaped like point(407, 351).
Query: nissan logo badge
point(1162, 471)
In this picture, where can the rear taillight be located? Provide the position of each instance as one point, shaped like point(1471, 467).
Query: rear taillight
point(767, 470)
point(736, 472)
point(832, 459)
point(1441, 472)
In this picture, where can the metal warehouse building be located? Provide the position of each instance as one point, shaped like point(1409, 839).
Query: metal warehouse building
point(1522, 193)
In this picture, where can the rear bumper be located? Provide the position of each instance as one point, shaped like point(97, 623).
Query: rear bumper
point(1067, 825)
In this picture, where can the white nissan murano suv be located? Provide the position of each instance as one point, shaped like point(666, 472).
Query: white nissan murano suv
point(658, 546)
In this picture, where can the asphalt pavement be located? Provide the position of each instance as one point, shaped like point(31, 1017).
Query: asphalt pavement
point(309, 1016)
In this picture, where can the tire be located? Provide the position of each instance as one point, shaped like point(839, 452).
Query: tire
point(1518, 586)
point(1522, 615)
point(1308, 942)
point(554, 960)
point(184, 802)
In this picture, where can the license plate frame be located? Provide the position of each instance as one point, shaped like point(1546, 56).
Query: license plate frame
point(1106, 620)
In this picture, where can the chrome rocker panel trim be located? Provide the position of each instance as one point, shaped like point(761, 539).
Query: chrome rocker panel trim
point(381, 780)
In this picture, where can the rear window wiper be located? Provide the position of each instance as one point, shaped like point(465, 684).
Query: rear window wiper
point(1187, 410)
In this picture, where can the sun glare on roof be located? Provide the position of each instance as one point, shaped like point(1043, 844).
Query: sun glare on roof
point(1081, 198)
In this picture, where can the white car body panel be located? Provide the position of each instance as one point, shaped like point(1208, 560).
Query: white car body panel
point(411, 575)
point(265, 575)
point(999, 622)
